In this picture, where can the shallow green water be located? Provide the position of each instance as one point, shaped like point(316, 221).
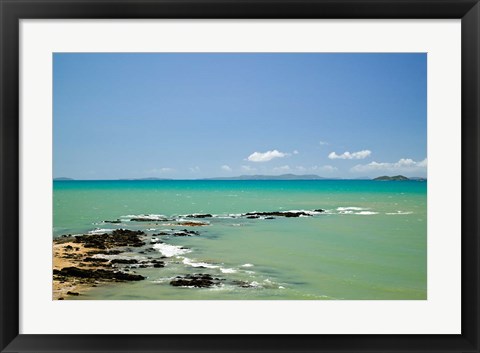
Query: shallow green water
point(370, 244)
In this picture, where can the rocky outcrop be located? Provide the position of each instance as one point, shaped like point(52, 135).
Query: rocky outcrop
point(99, 274)
point(176, 233)
point(196, 280)
point(117, 238)
point(124, 261)
point(287, 214)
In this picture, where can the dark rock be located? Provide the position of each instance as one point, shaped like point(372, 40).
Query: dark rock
point(269, 217)
point(185, 233)
point(95, 259)
point(319, 210)
point(145, 219)
point(124, 261)
point(177, 233)
point(73, 293)
point(197, 280)
point(287, 214)
point(243, 284)
point(116, 221)
point(119, 237)
point(68, 247)
point(96, 274)
point(253, 217)
point(205, 215)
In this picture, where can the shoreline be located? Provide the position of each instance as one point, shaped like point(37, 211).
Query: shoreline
point(83, 262)
point(62, 258)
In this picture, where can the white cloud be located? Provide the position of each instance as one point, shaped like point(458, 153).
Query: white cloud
point(226, 168)
point(295, 152)
point(347, 155)
point(195, 169)
point(283, 168)
point(247, 168)
point(423, 163)
point(323, 143)
point(403, 165)
point(266, 156)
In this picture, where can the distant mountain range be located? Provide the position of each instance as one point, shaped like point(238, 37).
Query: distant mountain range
point(278, 177)
point(270, 177)
point(150, 178)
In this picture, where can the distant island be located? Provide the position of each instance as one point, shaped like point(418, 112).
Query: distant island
point(270, 177)
point(149, 178)
point(397, 177)
point(63, 178)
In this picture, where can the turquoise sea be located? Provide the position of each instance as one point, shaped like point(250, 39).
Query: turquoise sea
point(370, 243)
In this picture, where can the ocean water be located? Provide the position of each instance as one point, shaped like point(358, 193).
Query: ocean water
point(371, 243)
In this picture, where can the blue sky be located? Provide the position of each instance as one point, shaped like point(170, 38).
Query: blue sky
point(199, 115)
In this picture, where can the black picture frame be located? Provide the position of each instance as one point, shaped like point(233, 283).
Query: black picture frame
point(12, 11)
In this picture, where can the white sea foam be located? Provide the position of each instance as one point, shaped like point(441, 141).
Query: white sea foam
point(156, 217)
point(100, 231)
point(365, 213)
point(170, 250)
point(192, 221)
point(351, 208)
point(192, 263)
point(228, 270)
point(247, 265)
point(399, 213)
point(309, 212)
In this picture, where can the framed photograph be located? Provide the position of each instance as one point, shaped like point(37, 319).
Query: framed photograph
point(239, 176)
